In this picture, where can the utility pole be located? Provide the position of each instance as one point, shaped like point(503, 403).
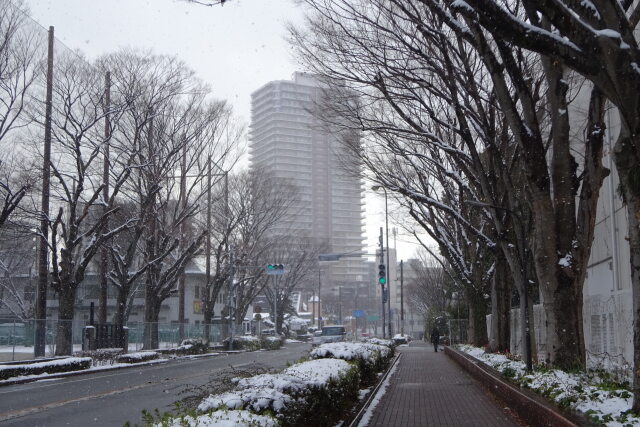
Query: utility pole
point(104, 254)
point(401, 298)
point(183, 229)
point(43, 252)
point(313, 306)
point(207, 247)
point(231, 297)
point(319, 308)
point(381, 240)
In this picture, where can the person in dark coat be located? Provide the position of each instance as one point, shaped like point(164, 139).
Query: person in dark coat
point(435, 338)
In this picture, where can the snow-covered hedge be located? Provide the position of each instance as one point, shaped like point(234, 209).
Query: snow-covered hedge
point(142, 356)
point(244, 342)
point(317, 390)
point(224, 418)
point(371, 358)
point(101, 356)
point(595, 394)
point(388, 343)
point(49, 367)
point(271, 342)
point(187, 347)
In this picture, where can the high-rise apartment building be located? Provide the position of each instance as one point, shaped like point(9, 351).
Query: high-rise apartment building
point(287, 141)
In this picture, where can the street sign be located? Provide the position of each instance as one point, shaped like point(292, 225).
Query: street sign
point(358, 313)
point(373, 318)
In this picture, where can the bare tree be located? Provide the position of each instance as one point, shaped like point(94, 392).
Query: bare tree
point(445, 89)
point(78, 230)
point(243, 227)
point(300, 259)
point(17, 261)
point(427, 288)
point(193, 126)
point(20, 63)
point(598, 41)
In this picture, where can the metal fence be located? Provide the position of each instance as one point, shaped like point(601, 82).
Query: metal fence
point(457, 331)
point(17, 337)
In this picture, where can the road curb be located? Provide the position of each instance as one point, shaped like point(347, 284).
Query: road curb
point(93, 371)
point(530, 407)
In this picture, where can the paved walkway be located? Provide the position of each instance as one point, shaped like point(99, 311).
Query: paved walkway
point(429, 389)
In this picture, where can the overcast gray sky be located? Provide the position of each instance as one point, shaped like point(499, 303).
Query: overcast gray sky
point(235, 48)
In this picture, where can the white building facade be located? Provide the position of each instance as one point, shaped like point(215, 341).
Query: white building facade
point(288, 142)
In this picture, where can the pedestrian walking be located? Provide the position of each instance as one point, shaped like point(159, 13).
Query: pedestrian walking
point(435, 338)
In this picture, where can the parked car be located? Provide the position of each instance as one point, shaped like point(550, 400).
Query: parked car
point(333, 333)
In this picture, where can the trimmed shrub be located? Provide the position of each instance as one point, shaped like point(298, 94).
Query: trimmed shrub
point(142, 356)
point(67, 364)
point(370, 358)
point(102, 356)
point(223, 418)
point(271, 342)
point(188, 347)
point(316, 389)
point(243, 342)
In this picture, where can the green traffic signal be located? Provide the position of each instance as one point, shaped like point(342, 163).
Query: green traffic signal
point(382, 280)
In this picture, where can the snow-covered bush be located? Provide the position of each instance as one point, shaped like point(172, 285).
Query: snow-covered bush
point(595, 394)
point(243, 342)
point(101, 356)
point(270, 342)
point(142, 356)
point(66, 364)
point(188, 347)
point(371, 358)
point(316, 389)
point(224, 418)
point(197, 345)
point(388, 343)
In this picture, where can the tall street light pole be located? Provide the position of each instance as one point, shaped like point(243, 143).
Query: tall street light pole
point(386, 224)
point(525, 280)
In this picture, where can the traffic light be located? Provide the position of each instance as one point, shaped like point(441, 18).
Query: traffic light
point(275, 268)
point(382, 274)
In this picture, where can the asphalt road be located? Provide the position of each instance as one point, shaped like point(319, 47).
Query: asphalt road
point(115, 397)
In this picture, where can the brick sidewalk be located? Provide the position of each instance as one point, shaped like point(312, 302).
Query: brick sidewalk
point(429, 389)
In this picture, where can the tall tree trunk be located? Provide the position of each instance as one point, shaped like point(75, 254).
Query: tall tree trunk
point(151, 314)
point(121, 306)
point(627, 159)
point(66, 309)
point(477, 332)
point(500, 306)
point(208, 318)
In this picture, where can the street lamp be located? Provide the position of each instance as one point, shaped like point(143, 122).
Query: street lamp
point(386, 222)
point(525, 280)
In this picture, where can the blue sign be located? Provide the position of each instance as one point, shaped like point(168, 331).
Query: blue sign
point(358, 313)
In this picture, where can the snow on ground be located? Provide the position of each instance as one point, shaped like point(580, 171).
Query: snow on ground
point(364, 421)
point(593, 394)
